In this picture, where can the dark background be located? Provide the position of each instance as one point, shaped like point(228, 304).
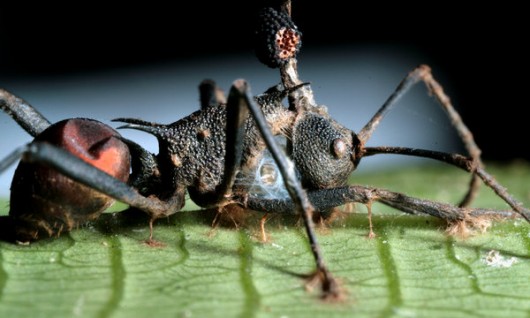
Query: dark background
point(481, 49)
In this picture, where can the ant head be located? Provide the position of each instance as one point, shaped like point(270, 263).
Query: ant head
point(324, 151)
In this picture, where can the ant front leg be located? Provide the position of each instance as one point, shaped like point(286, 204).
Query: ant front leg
point(329, 198)
point(461, 162)
point(300, 202)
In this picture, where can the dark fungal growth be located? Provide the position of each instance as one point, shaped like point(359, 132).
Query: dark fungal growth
point(277, 38)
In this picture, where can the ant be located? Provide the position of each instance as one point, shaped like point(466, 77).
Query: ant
point(76, 168)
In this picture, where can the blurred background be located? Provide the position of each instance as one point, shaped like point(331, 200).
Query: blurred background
point(146, 61)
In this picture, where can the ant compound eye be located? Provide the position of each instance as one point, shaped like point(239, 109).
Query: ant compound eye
point(277, 38)
point(339, 148)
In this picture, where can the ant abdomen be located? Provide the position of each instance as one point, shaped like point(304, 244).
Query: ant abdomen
point(44, 202)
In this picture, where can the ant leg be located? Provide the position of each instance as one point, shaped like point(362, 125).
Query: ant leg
point(465, 134)
point(236, 116)
point(458, 217)
point(412, 205)
point(329, 198)
point(86, 174)
point(23, 113)
point(423, 73)
point(469, 165)
point(301, 203)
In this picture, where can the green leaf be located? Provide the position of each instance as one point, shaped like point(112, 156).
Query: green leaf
point(411, 269)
